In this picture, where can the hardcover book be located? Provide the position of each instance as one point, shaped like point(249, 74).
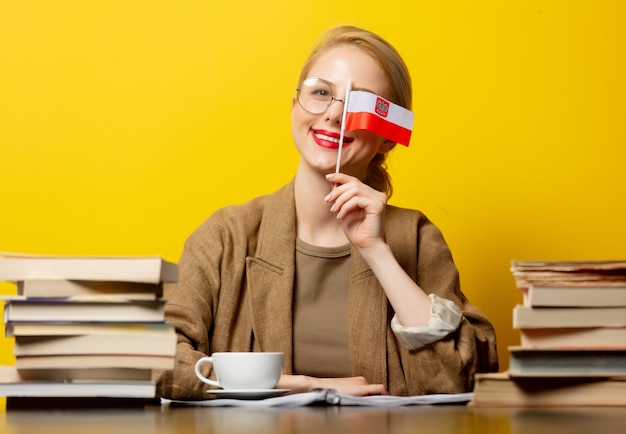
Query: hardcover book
point(144, 269)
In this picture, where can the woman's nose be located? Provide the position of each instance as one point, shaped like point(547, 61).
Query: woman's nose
point(334, 111)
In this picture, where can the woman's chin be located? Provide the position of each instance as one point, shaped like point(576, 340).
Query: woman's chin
point(324, 165)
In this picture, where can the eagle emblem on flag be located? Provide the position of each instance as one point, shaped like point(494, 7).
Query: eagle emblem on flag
point(382, 107)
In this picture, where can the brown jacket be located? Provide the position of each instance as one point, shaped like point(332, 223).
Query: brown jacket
point(235, 294)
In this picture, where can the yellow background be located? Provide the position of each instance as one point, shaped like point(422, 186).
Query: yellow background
point(124, 124)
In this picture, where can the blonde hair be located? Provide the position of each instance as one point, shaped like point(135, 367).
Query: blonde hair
point(394, 68)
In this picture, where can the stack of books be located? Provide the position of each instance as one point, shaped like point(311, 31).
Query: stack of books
point(573, 337)
point(86, 327)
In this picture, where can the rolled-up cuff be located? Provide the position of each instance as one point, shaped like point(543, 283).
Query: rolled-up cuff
point(445, 318)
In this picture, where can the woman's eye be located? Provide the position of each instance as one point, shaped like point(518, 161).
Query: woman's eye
point(321, 93)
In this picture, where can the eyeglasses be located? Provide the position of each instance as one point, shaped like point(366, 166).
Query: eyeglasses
point(316, 95)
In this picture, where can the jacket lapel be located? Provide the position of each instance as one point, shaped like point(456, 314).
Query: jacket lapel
point(270, 276)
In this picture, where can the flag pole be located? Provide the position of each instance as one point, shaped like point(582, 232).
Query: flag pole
point(343, 124)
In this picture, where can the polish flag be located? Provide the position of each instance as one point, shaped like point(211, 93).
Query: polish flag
point(367, 111)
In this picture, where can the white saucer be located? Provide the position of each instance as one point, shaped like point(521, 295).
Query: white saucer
point(247, 393)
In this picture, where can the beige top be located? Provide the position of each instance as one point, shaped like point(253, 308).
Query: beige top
point(320, 338)
point(320, 335)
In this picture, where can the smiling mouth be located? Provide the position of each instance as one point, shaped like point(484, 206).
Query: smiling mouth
point(330, 141)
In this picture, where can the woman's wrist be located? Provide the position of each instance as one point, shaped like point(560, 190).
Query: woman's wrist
point(376, 254)
point(297, 383)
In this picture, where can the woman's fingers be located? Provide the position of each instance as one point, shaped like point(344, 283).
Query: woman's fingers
point(350, 194)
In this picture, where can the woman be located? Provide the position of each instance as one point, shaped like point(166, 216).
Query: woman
point(362, 297)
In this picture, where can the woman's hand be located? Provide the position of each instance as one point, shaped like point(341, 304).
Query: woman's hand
point(360, 208)
point(356, 386)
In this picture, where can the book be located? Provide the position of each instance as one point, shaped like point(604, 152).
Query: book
point(12, 385)
point(327, 397)
point(575, 296)
point(82, 328)
point(594, 266)
point(152, 342)
point(608, 337)
point(67, 374)
point(29, 310)
point(579, 273)
point(94, 361)
point(147, 269)
point(47, 403)
point(80, 388)
point(547, 317)
point(501, 390)
point(85, 290)
point(561, 362)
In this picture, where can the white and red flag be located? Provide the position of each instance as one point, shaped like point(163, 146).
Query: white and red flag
point(368, 111)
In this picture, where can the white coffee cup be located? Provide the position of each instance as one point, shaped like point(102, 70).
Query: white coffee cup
point(243, 371)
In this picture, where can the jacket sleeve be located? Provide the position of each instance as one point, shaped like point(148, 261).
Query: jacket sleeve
point(448, 365)
point(189, 308)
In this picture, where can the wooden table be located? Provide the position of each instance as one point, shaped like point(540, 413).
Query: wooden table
point(457, 419)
